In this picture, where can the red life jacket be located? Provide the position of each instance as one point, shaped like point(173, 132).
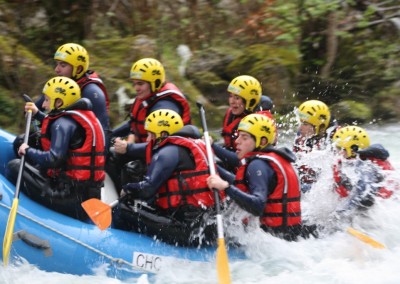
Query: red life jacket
point(186, 186)
point(229, 129)
point(140, 108)
point(386, 166)
point(230, 126)
point(344, 191)
point(87, 162)
point(340, 187)
point(282, 208)
point(92, 77)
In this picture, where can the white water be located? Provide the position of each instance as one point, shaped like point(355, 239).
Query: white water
point(335, 258)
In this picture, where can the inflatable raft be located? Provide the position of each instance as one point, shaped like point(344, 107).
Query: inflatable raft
point(57, 243)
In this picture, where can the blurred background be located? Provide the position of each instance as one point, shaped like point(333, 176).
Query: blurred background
point(345, 53)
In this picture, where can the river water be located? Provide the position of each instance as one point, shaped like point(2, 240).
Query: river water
point(334, 258)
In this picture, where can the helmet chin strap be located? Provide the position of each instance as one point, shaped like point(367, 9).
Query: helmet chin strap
point(77, 70)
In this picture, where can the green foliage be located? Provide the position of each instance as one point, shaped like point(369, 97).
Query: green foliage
point(8, 117)
point(348, 111)
point(285, 43)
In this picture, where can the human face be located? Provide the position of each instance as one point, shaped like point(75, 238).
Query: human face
point(236, 104)
point(142, 88)
point(46, 103)
point(306, 129)
point(63, 69)
point(245, 143)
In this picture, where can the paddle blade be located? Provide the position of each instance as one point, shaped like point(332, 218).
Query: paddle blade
point(222, 263)
point(366, 239)
point(8, 235)
point(99, 212)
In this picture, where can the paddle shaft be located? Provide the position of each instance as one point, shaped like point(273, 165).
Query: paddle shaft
point(22, 164)
point(210, 157)
point(221, 255)
point(8, 234)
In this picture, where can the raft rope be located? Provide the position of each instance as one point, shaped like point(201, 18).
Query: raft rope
point(112, 259)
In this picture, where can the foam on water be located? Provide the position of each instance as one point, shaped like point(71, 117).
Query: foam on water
point(337, 257)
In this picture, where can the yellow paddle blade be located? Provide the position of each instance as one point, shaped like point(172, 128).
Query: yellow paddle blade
point(99, 212)
point(8, 235)
point(222, 263)
point(365, 238)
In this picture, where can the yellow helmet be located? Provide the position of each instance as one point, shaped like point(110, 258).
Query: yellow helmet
point(316, 113)
point(63, 88)
point(73, 54)
point(149, 70)
point(351, 139)
point(248, 88)
point(259, 126)
point(163, 120)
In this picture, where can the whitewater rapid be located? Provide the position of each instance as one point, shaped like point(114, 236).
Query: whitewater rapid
point(333, 258)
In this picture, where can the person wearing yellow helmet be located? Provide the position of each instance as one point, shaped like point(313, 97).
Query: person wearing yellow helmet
point(174, 183)
point(316, 123)
point(350, 139)
point(316, 126)
point(245, 93)
point(245, 97)
point(68, 168)
point(361, 170)
point(362, 173)
point(266, 184)
point(72, 61)
point(153, 92)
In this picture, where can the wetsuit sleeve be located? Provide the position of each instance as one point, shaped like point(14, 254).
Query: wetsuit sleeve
point(225, 174)
point(39, 103)
point(162, 165)
point(136, 150)
point(122, 130)
point(39, 116)
point(227, 157)
point(367, 185)
point(166, 104)
point(259, 175)
point(99, 104)
point(62, 131)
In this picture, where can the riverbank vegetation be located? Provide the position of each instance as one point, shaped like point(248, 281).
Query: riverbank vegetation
point(345, 52)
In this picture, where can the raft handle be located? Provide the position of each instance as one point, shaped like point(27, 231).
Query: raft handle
point(34, 241)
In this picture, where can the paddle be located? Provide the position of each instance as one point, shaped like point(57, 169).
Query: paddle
point(8, 235)
point(365, 238)
point(28, 99)
point(99, 212)
point(222, 255)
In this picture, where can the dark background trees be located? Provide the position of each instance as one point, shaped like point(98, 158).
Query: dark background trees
point(343, 52)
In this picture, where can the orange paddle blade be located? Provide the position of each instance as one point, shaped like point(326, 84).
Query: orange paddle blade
point(99, 212)
point(365, 238)
point(222, 263)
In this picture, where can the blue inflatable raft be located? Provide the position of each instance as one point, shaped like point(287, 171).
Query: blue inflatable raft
point(57, 243)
